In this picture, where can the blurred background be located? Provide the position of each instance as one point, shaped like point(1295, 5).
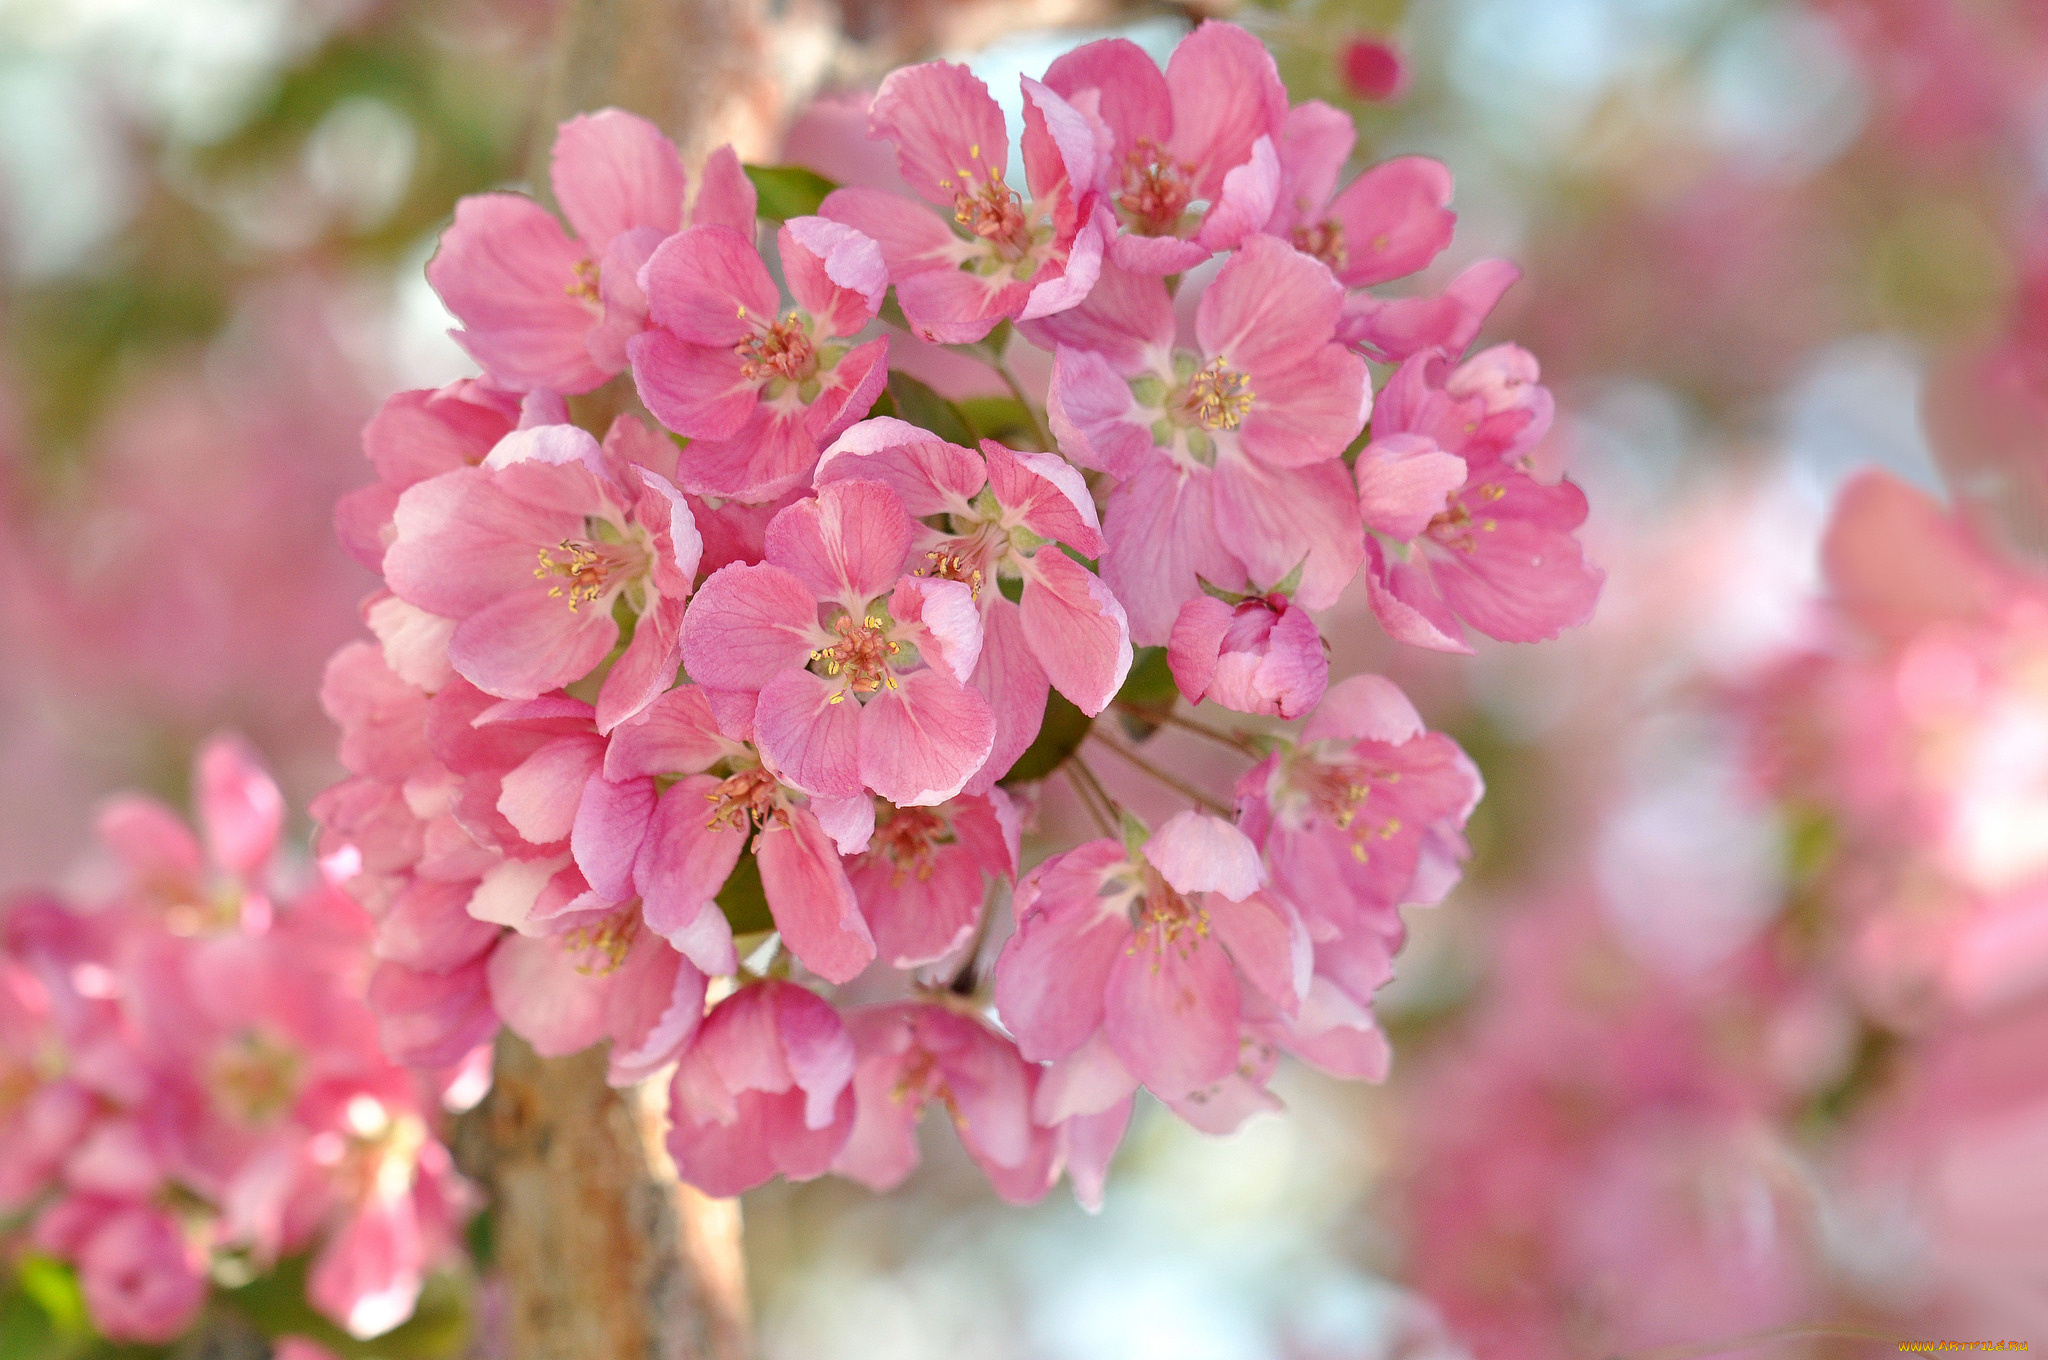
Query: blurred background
point(1766, 243)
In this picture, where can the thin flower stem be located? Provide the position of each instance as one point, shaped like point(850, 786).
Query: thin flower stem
point(1002, 368)
point(1233, 740)
point(1090, 789)
point(1174, 782)
point(1694, 1350)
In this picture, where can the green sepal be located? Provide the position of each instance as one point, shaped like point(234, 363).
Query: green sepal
point(1135, 833)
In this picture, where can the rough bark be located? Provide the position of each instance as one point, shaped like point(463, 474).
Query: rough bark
point(604, 1255)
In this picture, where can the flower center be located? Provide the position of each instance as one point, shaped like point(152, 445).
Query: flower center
point(1162, 919)
point(1156, 189)
point(782, 350)
point(1457, 529)
point(256, 1076)
point(1324, 241)
point(861, 655)
point(746, 800)
point(994, 212)
point(1217, 397)
point(1342, 792)
point(584, 285)
point(955, 563)
point(599, 948)
point(589, 570)
point(907, 839)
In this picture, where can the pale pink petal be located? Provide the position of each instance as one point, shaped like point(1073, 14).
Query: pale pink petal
point(835, 272)
point(1087, 1081)
point(655, 1004)
point(1269, 945)
point(725, 196)
point(676, 734)
point(541, 795)
point(542, 997)
point(927, 474)
point(1014, 685)
point(645, 670)
point(747, 625)
point(1094, 417)
point(955, 307)
point(1308, 411)
point(1170, 1012)
point(1126, 317)
point(850, 822)
point(849, 543)
point(923, 740)
point(1078, 629)
point(504, 269)
point(942, 618)
point(1058, 146)
point(613, 172)
point(707, 286)
point(1056, 290)
point(611, 821)
point(1156, 256)
point(808, 729)
point(1404, 482)
point(1051, 976)
point(1314, 144)
point(1364, 708)
point(1249, 193)
point(1047, 493)
point(683, 861)
point(1408, 604)
point(1162, 544)
point(1276, 519)
point(1195, 643)
point(1270, 309)
point(1196, 852)
point(1396, 219)
point(913, 238)
point(948, 131)
point(773, 452)
point(1395, 329)
point(813, 904)
point(624, 301)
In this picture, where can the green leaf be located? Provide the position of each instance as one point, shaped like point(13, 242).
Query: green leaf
point(1148, 686)
point(997, 418)
point(918, 404)
point(1060, 731)
point(54, 1287)
point(788, 191)
point(743, 900)
point(276, 1304)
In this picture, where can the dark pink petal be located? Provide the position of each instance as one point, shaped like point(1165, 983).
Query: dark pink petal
point(1170, 1012)
point(1404, 482)
point(948, 131)
point(1078, 629)
point(813, 904)
point(654, 1007)
point(1407, 602)
point(613, 172)
point(1269, 310)
point(1396, 219)
point(1047, 493)
point(676, 734)
point(919, 915)
point(695, 390)
point(747, 625)
point(683, 862)
point(1198, 853)
point(834, 272)
point(707, 286)
point(1052, 974)
point(1285, 675)
point(923, 740)
point(542, 997)
point(913, 238)
point(1268, 516)
point(725, 196)
point(1162, 543)
point(808, 729)
point(646, 668)
point(1397, 328)
point(1133, 98)
point(504, 269)
point(1226, 95)
point(927, 474)
point(1195, 644)
point(848, 544)
point(611, 821)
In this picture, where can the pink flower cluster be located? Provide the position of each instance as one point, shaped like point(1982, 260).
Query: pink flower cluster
point(664, 738)
point(189, 1076)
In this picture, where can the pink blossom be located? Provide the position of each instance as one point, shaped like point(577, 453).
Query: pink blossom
point(1261, 655)
point(1460, 531)
point(1002, 257)
point(542, 308)
point(758, 389)
point(1365, 814)
point(1373, 69)
point(140, 1277)
point(416, 435)
point(1389, 221)
point(601, 531)
point(1005, 515)
point(1155, 950)
point(922, 880)
point(765, 1087)
point(1226, 455)
point(1191, 168)
point(241, 812)
point(911, 1054)
point(900, 647)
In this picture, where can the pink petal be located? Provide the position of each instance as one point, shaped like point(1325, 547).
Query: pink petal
point(813, 904)
point(1051, 976)
point(1126, 318)
point(1196, 642)
point(543, 998)
point(920, 917)
point(1087, 1081)
point(1078, 629)
point(1269, 945)
point(529, 643)
point(683, 861)
point(942, 618)
point(725, 196)
point(1091, 1142)
point(1170, 1012)
point(503, 269)
point(611, 821)
point(1057, 288)
point(1314, 144)
point(153, 845)
point(817, 1048)
point(695, 390)
point(1268, 516)
point(808, 729)
point(923, 740)
point(1226, 95)
point(1396, 218)
point(913, 238)
point(645, 670)
point(1395, 329)
point(927, 474)
point(624, 301)
point(1404, 482)
point(849, 543)
point(541, 796)
point(747, 625)
point(834, 272)
point(676, 734)
point(1014, 685)
point(1308, 412)
point(1047, 493)
point(1196, 852)
point(948, 131)
point(850, 822)
point(773, 452)
point(954, 307)
point(613, 172)
point(1094, 417)
point(1058, 146)
point(1162, 543)
point(1270, 309)
point(1405, 599)
point(1133, 96)
point(655, 1004)
point(1249, 193)
point(428, 1019)
point(428, 927)
point(707, 286)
